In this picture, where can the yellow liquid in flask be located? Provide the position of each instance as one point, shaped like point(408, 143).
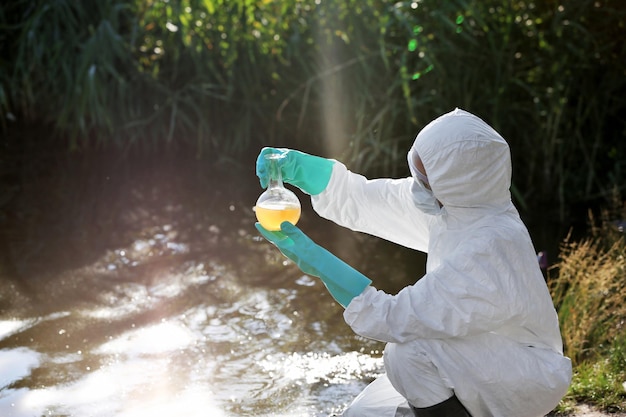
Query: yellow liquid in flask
point(272, 215)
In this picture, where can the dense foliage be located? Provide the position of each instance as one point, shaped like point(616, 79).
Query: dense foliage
point(351, 79)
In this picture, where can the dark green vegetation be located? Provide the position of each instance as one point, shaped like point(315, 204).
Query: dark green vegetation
point(211, 81)
point(222, 77)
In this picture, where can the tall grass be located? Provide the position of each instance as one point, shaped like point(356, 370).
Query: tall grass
point(588, 286)
point(589, 291)
point(352, 79)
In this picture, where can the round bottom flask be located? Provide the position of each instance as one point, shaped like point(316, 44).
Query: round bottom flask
point(277, 204)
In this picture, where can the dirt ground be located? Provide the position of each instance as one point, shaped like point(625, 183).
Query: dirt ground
point(584, 410)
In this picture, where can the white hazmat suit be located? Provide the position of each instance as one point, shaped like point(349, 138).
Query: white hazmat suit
point(480, 323)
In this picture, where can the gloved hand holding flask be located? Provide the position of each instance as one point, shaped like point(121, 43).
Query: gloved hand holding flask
point(342, 281)
point(308, 172)
point(311, 174)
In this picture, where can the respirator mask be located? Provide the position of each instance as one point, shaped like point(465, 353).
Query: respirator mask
point(422, 195)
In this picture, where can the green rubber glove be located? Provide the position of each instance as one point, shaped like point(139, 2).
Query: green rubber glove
point(309, 173)
point(342, 281)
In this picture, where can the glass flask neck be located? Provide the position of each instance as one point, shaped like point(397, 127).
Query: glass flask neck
point(275, 178)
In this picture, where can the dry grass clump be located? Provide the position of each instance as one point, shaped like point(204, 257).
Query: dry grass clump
point(589, 293)
point(590, 286)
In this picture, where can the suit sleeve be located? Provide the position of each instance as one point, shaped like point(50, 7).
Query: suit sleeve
point(467, 295)
point(380, 207)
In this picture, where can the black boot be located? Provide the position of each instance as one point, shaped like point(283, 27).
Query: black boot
point(451, 407)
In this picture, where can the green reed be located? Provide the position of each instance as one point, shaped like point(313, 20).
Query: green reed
point(351, 79)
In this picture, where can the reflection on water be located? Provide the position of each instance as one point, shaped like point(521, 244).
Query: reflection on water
point(179, 323)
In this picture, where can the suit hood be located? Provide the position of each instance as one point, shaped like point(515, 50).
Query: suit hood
point(467, 162)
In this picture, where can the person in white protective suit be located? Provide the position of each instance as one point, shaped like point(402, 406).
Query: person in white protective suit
point(478, 334)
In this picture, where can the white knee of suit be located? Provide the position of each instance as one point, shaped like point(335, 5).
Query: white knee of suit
point(414, 376)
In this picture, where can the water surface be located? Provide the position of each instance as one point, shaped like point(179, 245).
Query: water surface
point(184, 314)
